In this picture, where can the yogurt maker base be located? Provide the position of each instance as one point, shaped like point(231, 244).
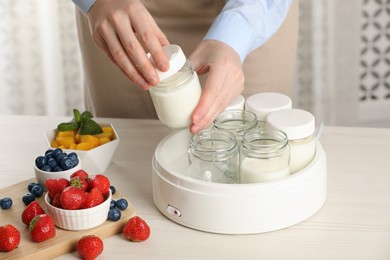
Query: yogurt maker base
point(233, 208)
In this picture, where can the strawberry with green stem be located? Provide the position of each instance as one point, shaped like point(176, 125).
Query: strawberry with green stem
point(42, 228)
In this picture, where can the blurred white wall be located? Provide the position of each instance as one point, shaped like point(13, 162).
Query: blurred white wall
point(343, 72)
point(40, 66)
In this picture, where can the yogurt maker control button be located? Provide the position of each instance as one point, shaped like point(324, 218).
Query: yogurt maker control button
point(173, 211)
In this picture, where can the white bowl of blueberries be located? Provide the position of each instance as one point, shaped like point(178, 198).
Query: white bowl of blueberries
point(55, 163)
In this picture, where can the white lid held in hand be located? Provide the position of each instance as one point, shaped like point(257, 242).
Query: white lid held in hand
point(296, 123)
point(264, 103)
point(176, 59)
point(237, 103)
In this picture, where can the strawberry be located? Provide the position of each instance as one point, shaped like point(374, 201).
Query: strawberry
point(94, 198)
point(9, 238)
point(100, 181)
point(89, 247)
point(80, 173)
point(73, 198)
point(42, 228)
point(56, 186)
point(136, 229)
point(79, 182)
point(56, 201)
point(32, 210)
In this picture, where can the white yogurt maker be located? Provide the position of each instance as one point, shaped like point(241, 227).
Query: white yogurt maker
point(233, 208)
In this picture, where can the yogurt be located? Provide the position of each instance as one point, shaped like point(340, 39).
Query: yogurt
point(178, 92)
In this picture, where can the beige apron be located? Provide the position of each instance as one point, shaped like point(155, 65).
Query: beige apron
point(108, 93)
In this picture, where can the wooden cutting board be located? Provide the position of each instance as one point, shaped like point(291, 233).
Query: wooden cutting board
point(64, 242)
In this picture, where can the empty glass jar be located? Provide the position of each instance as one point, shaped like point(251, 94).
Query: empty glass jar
point(237, 121)
point(214, 157)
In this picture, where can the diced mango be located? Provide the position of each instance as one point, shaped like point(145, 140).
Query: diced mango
point(54, 144)
point(65, 141)
point(108, 135)
point(108, 131)
point(74, 141)
point(93, 140)
point(103, 140)
point(84, 146)
point(67, 133)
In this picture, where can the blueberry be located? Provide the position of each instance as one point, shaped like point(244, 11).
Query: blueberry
point(30, 185)
point(28, 198)
point(40, 161)
point(114, 214)
point(56, 152)
point(112, 204)
point(72, 155)
point(75, 160)
point(48, 151)
point(37, 191)
point(57, 169)
point(49, 156)
point(52, 162)
point(66, 163)
point(60, 157)
point(113, 190)
point(5, 203)
point(46, 168)
point(121, 204)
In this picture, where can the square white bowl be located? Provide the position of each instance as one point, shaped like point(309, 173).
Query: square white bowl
point(96, 160)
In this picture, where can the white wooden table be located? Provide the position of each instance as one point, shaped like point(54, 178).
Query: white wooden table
point(354, 223)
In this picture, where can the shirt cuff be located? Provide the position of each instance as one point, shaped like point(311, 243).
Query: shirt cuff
point(84, 5)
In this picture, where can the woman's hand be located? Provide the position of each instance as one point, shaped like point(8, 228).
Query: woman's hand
point(225, 80)
point(125, 31)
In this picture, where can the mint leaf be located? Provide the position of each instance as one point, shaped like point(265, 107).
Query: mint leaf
point(90, 127)
point(77, 115)
point(67, 126)
point(86, 115)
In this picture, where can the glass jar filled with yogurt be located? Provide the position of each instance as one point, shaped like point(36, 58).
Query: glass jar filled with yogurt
point(299, 125)
point(264, 155)
point(237, 121)
point(213, 156)
point(262, 104)
point(179, 90)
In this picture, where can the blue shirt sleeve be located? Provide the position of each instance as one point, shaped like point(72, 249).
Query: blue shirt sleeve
point(84, 5)
point(247, 24)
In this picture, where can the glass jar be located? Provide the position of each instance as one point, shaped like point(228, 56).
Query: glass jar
point(214, 157)
point(262, 104)
point(178, 92)
point(237, 121)
point(299, 125)
point(264, 155)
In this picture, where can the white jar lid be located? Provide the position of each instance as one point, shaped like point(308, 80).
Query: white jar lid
point(296, 123)
point(264, 103)
point(237, 103)
point(176, 59)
